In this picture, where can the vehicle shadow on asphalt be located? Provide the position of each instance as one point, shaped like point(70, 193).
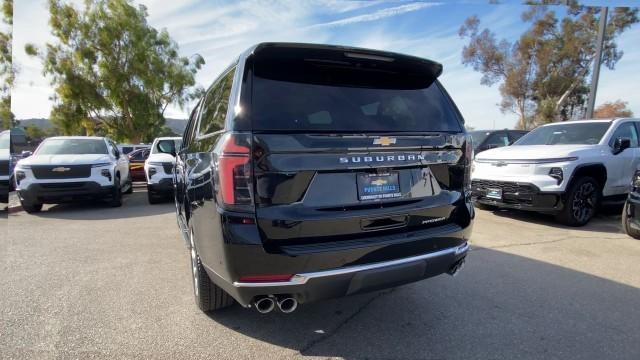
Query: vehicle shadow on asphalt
point(607, 220)
point(133, 205)
point(499, 306)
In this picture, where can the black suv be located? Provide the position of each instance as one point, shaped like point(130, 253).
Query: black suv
point(311, 171)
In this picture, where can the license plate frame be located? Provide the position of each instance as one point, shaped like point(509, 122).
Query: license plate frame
point(494, 193)
point(378, 186)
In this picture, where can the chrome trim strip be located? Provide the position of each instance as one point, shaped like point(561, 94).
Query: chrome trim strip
point(301, 279)
point(526, 161)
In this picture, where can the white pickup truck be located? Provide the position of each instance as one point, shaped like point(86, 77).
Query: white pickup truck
point(70, 168)
point(565, 168)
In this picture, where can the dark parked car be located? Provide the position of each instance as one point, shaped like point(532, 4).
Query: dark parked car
point(491, 139)
point(136, 164)
point(631, 211)
point(310, 172)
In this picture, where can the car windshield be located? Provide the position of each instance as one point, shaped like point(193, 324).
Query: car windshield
point(477, 137)
point(166, 146)
point(72, 147)
point(4, 141)
point(566, 134)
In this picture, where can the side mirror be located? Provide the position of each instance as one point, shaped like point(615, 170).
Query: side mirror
point(620, 144)
point(25, 153)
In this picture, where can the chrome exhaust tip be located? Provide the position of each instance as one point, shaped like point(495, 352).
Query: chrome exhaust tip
point(287, 304)
point(264, 304)
point(455, 269)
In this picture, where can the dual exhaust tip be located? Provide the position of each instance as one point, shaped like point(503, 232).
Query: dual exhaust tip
point(265, 304)
point(455, 269)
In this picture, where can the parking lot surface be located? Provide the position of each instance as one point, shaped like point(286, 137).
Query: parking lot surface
point(88, 281)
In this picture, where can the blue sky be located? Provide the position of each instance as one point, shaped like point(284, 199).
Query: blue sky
point(220, 30)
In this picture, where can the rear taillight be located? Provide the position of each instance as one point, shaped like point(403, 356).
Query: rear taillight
point(234, 170)
point(468, 162)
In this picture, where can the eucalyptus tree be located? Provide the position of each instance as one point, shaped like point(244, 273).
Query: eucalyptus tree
point(110, 69)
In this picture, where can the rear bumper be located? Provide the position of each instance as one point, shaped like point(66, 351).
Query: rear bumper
point(517, 195)
point(333, 283)
point(329, 272)
point(64, 192)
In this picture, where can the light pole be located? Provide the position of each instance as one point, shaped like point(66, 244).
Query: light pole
point(596, 62)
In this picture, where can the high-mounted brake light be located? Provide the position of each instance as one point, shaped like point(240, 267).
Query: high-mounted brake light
point(234, 168)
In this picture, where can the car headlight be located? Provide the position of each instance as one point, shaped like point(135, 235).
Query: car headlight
point(152, 171)
point(106, 173)
point(636, 181)
point(556, 173)
point(20, 175)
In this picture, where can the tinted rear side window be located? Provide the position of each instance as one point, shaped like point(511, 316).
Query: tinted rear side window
point(215, 105)
point(295, 106)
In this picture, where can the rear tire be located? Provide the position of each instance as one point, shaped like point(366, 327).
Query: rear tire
point(581, 202)
point(626, 223)
point(208, 296)
point(31, 208)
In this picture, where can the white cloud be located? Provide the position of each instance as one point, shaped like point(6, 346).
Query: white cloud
point(377, 15)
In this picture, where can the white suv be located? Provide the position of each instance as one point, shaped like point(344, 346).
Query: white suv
point(158, 168)
point(564, 168)
point(69, 168)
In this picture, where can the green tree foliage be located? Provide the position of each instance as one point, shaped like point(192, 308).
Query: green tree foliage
point(543, 75)
point(6, 66)
point(112, 72)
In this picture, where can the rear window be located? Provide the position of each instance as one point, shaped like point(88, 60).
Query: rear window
point(291, 106)
point(127, 149)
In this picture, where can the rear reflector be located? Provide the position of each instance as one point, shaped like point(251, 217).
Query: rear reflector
point(266, 278)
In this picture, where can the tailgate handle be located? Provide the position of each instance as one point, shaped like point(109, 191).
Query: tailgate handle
point(388, 222)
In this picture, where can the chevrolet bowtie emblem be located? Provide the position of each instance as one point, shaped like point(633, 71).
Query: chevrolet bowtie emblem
point(379, 182)
point(384, 141)
point(61, 169)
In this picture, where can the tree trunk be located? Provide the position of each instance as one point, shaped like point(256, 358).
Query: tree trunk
point(573, 86)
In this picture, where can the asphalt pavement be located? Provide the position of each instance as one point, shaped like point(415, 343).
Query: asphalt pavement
point(88, 281)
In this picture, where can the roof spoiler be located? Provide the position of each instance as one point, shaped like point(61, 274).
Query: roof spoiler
point(343, 66)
